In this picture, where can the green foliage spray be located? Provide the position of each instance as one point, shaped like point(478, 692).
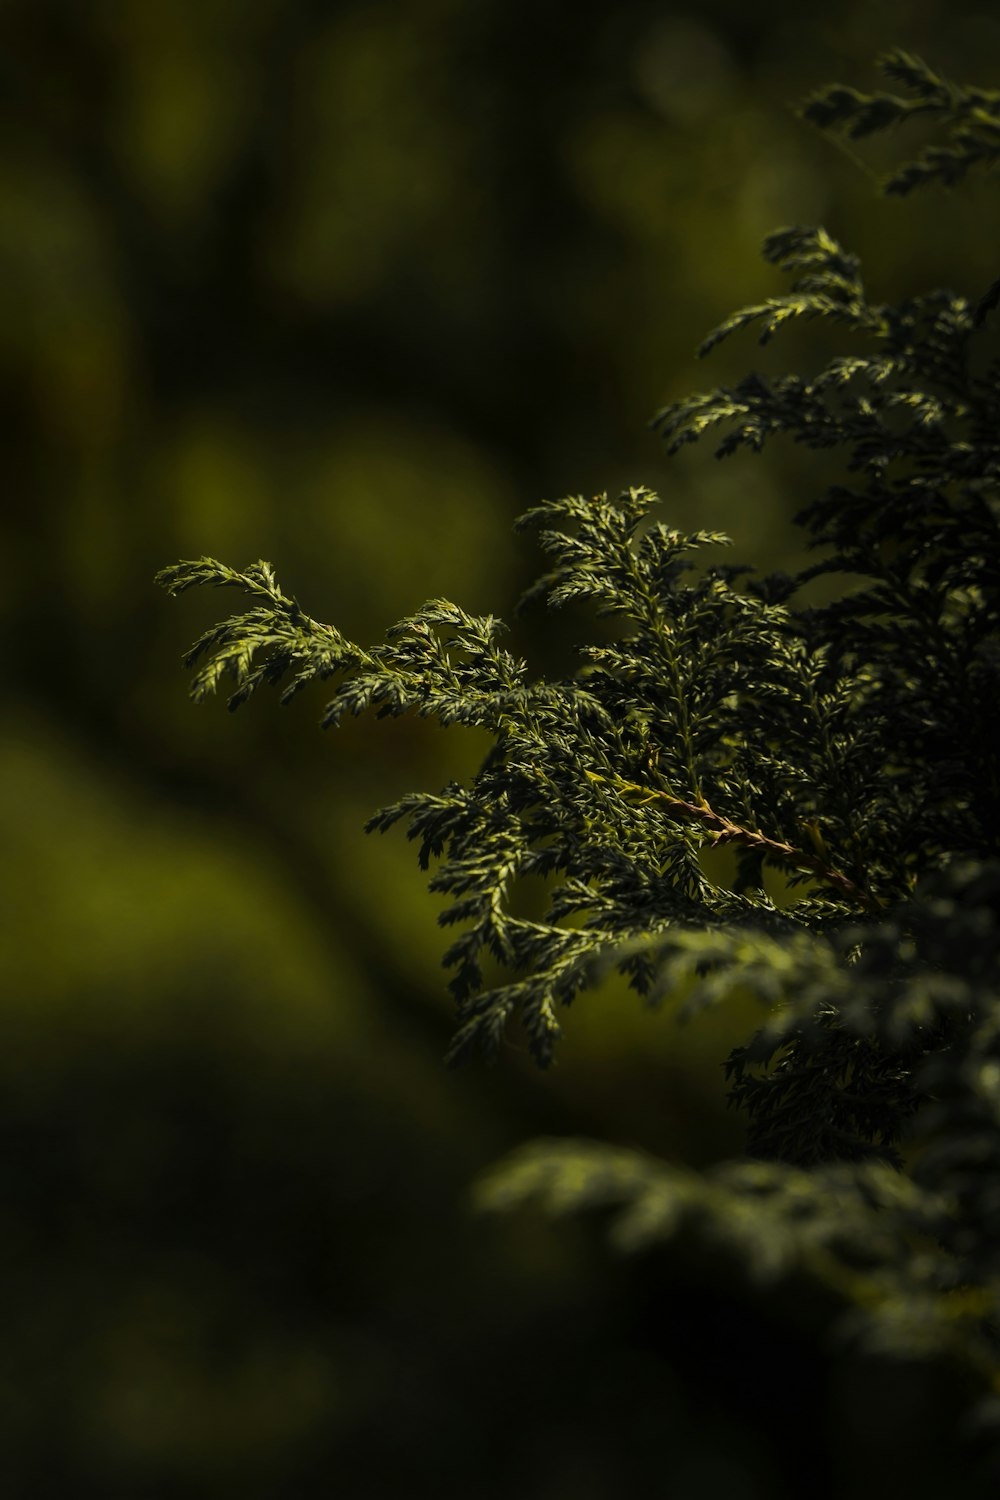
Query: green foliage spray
point(854, 746)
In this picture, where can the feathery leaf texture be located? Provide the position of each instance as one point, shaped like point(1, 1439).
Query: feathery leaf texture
point(854, 746)
point(971, 118)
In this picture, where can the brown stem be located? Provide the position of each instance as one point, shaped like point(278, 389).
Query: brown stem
point(727, 832)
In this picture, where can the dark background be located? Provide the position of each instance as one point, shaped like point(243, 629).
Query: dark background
point(348, 287)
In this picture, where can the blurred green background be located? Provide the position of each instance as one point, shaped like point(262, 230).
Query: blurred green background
point(348, 287)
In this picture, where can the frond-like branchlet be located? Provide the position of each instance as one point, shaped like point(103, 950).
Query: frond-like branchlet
point(970, 117)
point(853, 746)
point(863, 1232)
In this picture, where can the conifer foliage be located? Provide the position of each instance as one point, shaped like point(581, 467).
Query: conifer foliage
point(854, 746)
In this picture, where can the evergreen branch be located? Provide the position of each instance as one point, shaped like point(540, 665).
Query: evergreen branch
point(727, 832)
point(971, 117)
point(869, 726)
point(288, 639)
point(413, 669)
point(853, 1228)
point(829, 288)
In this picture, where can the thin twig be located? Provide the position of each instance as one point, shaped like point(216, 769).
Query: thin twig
point(726, 832)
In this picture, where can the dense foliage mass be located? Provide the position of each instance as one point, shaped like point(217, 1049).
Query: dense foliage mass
point(853, 745)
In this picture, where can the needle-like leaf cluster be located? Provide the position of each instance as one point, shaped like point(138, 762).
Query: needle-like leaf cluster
point(852, 746)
